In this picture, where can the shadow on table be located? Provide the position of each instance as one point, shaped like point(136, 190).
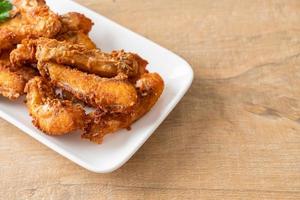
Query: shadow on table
point(174, 146)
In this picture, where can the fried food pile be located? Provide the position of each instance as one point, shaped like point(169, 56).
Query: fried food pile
point(51, 59)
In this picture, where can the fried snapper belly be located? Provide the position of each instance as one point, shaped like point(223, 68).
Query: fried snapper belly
point(77, 37)
point(75, 29)
point(33, 19)
point(13, 81)
point(113, 94)
point(150, 87)
point(80, 57)
point(50, 114)
point(73, 21)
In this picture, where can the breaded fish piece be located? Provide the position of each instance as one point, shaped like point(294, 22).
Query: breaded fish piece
point(150, 87)
point(34, 20)
point(75, 29)
point(77, 37)
point(74, 21)
point(114, 94)
point(7, 39)
point(78, 56)
point(12, 81)
point(4, 59)
point(24, 53)
point(11, 84)
point(25, 6)
point(37, 19)
point(27, 73)
point(51, 115)
point(90, 60)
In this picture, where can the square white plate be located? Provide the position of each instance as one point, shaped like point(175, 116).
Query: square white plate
point(119, 147)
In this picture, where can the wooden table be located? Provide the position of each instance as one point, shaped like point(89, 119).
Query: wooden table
point(235, 135)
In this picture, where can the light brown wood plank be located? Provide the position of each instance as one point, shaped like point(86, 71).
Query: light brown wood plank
point(235, 135)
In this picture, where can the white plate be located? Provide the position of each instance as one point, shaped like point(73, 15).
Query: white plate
point(119, 147)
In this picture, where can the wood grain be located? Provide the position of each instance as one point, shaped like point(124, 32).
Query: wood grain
point(235, 135)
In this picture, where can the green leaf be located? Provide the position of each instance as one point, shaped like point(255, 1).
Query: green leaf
point(5, 7)
point(4, 16)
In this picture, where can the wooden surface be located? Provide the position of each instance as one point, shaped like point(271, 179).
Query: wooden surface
point(235, 135)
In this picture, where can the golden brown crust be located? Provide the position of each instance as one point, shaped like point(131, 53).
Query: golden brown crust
point(77, 37)
point(11, 84)
point(69, 96)
point(24, 53)
point(75, 29)
point(8, 39)
point(50, 114)
point(4, 59)
point(35, 20)
point(115, 94)
point(41, 22)
point(74, 21)
point(27, 73)
point(79, 56)
point(150, 87)
point(90, 60)
point(12, 81)
point(24, 6)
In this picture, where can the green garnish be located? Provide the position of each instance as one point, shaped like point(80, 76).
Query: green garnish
point(5, 7)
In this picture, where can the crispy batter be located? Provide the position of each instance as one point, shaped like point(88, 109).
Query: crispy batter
point(27, 73)
point(25, 6)
point(38, 20)
point(77, 37)
point(90, 60)
point(12, 81)
point(7, 39)
point(24, 53)
point(75, 29)
point(35, 20)
point(69, 96)
point(150, 87)
point(114, 94)
point(4, 59)
point(74, 21)
point(11, 84)
point(51, 115)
